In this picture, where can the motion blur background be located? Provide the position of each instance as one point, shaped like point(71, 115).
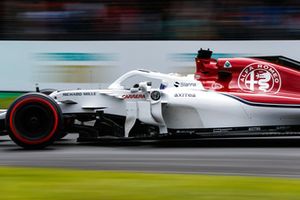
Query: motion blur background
point(150, 20)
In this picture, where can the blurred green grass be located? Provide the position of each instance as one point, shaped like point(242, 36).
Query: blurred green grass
point(37, 183)
point(6, 98)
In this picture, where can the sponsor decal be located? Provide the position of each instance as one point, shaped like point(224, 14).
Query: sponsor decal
point(89, 93)
point(184, 84)
point(216, 86)
point(72, 94)
point(184, 95)
point(133, 96)
point(79, 94)
point(227, 65)
point(259, 78)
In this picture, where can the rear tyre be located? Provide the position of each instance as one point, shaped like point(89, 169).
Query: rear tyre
point(34, 121)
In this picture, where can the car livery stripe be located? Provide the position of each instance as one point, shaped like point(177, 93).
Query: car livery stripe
point(261, 104)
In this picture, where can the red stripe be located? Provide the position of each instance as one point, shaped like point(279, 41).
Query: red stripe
point(18, 135)
point(282, 98)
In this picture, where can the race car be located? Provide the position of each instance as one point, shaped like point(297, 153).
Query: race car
point(225, 97)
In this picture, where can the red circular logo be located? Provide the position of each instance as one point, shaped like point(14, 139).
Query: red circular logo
point(259, 78)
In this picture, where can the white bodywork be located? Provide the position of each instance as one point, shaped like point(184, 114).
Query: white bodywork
point(183, 104)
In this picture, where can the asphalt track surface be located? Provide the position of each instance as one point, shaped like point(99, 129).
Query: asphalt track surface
point(262, 157)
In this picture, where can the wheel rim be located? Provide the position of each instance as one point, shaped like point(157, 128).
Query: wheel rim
point(34, 121)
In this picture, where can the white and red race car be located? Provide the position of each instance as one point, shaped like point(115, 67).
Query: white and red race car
point(225, 97)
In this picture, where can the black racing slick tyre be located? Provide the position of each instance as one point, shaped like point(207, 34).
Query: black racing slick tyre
point(34, 121)
point(48, 91)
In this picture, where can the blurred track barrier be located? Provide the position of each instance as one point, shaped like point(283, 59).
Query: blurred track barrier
point(7, 97)
point(94, 64)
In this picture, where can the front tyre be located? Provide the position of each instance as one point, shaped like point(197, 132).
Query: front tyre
point(34, 121)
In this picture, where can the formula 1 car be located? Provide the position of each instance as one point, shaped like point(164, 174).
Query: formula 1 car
point(225, 97)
